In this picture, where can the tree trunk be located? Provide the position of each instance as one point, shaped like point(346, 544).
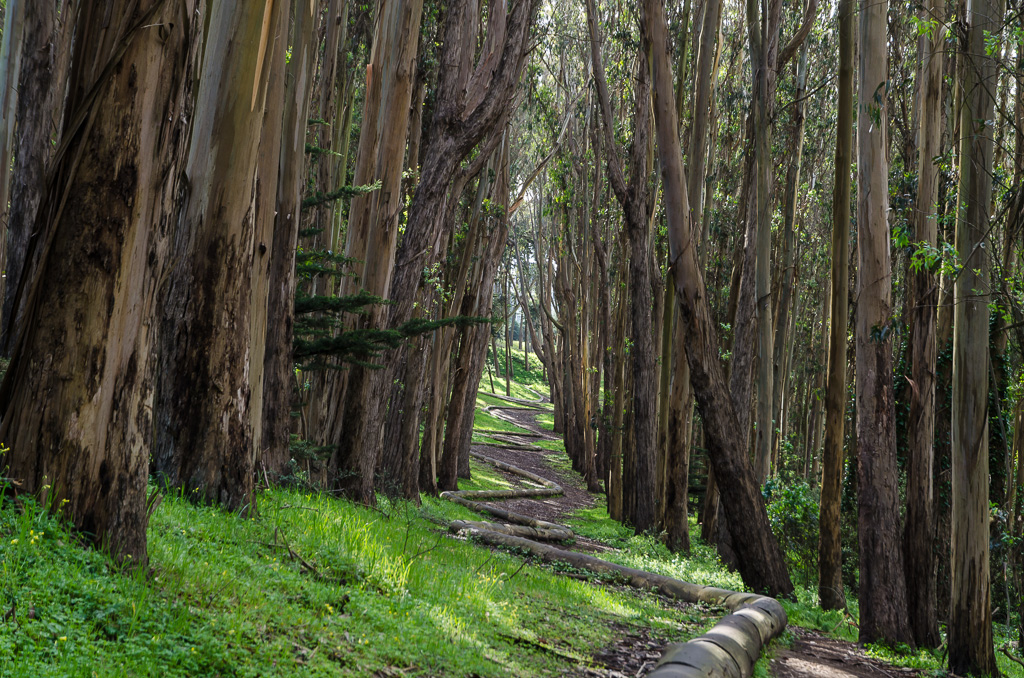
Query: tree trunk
point(830, 574)
point(919, 545)
point(883, 593)
point(278, 364)
point(759, 557)
point(970, 615)
point(639, 494)
point(76, 397)
point(42, 84)
point(373, 229)
point(786, 300)
point(204, 434)
point(762, 207)
point(469, 109)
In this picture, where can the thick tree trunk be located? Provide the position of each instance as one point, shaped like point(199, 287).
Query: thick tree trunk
point(75, 400)
point(204, 434)
point(970, 614)
point(919, 545)
point(830, 574)
point(883, 593)
point(759, 557)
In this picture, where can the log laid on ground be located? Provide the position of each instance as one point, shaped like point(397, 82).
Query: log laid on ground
point(508, 516)
point(729, 650)
point(528, 434)
point(518, 471)
point(522, 401)
point(547, 534)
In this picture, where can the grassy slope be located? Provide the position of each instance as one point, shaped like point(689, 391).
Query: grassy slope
point(313, 586)
point(225, 596)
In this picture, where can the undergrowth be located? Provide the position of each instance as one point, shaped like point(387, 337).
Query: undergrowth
point(313, 583)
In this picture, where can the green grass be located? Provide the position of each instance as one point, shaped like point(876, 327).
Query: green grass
point(223, 596)
point(645, 552)
point(523, 379)
point(483, 420)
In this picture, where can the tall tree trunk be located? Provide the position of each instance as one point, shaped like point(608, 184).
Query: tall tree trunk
point(883, 592)
point(278, 364)
point(830, 573)
point(759, 557)
point(87, 345)
point(204, 434)
point(783, 312)
point(919, 545)
point(763, 305)
point(639, 495)
point(373, 225)
point(970, 614)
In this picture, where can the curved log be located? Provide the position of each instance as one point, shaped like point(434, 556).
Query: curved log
point(729, 650)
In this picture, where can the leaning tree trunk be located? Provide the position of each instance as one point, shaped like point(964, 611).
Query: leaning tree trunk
point(919, 545)
point(760, 559)
point(883, 592)
point(970, 608)
point(75, 400)
point(830, 572)
point(204, 431)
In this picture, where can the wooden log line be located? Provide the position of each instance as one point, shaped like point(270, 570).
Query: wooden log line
point(494, 431)
point(511, 399)
point(729, 650)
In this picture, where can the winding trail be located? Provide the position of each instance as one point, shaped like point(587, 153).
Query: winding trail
point(728, 650)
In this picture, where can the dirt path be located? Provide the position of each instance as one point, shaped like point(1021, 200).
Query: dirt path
point(634, 651)
point(814, 655)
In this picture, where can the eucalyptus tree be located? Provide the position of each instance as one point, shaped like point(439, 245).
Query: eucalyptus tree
point(86, 344)
point(34, 82)
point(204, 433)
point(919, 528)
point(830, 576)
point(970, 616)
point(634, 198)
point(883, 593)
point(474, 91)
point(760, 559)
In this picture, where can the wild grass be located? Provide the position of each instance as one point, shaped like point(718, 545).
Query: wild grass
point(313, 584)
